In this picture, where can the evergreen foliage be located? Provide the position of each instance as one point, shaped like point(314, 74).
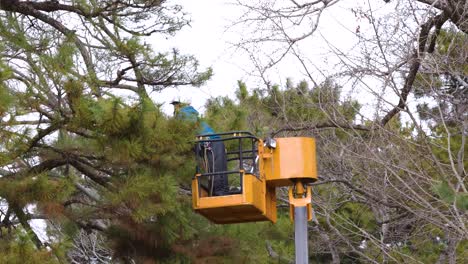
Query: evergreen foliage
point(78, 151)
point(18, 248)
point(83, 146)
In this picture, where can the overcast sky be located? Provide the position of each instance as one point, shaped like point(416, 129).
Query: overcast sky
point(208, 39)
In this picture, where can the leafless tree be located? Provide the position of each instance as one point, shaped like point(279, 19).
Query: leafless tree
point(392, 161)
point(89, 247)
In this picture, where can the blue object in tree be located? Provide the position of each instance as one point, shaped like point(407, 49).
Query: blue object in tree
point(188, 113)
point(191, 114)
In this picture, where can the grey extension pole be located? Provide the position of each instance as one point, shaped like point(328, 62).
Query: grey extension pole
point(300, 235)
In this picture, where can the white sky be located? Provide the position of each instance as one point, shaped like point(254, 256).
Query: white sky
point(208, 40)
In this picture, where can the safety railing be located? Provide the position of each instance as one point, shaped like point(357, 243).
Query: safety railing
point(214, 168)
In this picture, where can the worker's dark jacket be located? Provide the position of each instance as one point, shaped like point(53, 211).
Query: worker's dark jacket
point(213, 153)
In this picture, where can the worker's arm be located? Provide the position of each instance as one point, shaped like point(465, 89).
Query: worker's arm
point(191, 114)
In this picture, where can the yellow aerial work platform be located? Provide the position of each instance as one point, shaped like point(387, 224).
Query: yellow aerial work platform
point(256, 202)
point(254, 168)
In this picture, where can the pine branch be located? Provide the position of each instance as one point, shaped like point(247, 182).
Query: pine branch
point(29, 9)
point(23, 219)
point(25, 122)
point(43, 133)
point(38, 169)
point(91, 173)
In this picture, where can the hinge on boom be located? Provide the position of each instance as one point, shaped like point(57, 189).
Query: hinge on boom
point(300, 197)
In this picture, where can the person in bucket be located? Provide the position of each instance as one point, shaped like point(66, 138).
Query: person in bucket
point(212, 153)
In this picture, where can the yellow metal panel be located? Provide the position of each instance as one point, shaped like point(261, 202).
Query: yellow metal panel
point(270, 204)
point(195, 192)
point(220, 201)
point(257, 193)
point(233, 214)
point(293, 158)
point(247, 188)
point(254, 204)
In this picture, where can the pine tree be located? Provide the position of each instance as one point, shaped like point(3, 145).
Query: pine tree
point(82, 144)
